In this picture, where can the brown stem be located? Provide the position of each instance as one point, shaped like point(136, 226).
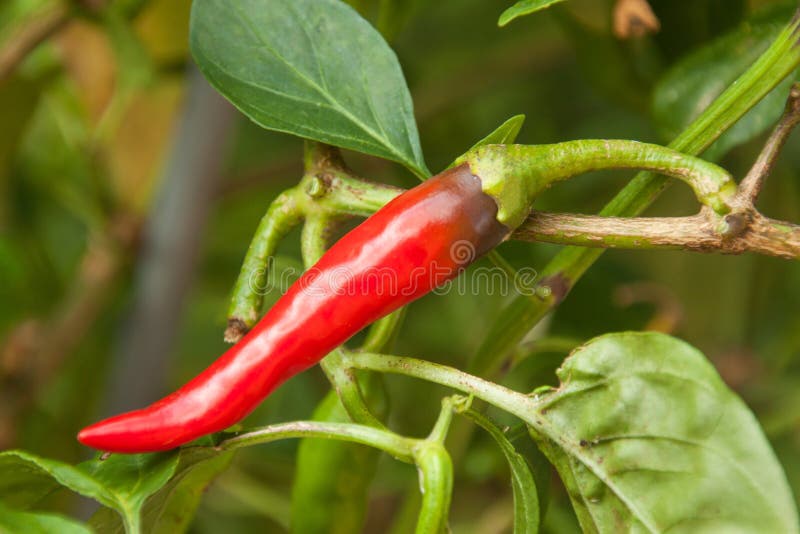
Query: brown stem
point(697, 233)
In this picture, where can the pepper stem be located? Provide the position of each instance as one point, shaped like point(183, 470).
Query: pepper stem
point(514, 175)
point(248, 294)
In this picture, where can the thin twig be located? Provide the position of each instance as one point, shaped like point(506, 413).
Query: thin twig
point(32, 32)
point(752, 184)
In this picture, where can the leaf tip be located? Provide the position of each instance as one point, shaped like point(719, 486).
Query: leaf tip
point(505, 18)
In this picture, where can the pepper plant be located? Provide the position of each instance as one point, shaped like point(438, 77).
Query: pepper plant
point(641, 430)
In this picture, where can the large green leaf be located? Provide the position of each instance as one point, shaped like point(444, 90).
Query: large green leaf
point(687, 88)
point(313, 68)
point(524, 7)
point(647, 438)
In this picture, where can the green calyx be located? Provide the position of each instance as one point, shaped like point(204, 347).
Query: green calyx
point(514, 175)
point(508, 175)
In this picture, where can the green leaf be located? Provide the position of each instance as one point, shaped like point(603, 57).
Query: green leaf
point(312, 68)
point(12, 521)
point(647, 437)
point(523, 484)
point(686, 89)
point(121, 482)
point(504, 134)
point(130, 478)
point(524, 7)
point(172, 508)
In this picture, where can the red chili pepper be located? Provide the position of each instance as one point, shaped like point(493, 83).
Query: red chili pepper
point(415, 243)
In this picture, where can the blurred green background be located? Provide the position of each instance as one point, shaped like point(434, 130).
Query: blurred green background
point(129, 193)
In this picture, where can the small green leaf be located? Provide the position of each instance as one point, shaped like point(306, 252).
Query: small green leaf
point(312, 68)
point(504, 134)
point(695, 81)
point(524, 7)
point(523, 484)
point(12, 521)
point(647, 437)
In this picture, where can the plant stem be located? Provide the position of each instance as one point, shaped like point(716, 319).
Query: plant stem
point(347, 387)
point(339, 192)
point(248, 294)
point(394, 444)
point(132, 523)
point(439, 431)
point(697, 233)
point(436, 485)
point(514, 402)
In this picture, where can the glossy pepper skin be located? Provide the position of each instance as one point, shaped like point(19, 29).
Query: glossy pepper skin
point(415, 243)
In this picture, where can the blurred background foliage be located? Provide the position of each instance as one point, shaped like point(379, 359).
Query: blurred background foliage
point(106, 120)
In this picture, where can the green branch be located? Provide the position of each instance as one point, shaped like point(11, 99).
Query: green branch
point(248, 294)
